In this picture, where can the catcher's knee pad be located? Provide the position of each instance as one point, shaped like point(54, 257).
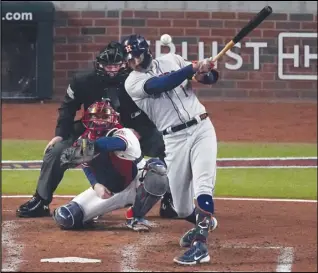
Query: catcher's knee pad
point(205, 202)
point(155, 178)
point(69, 216)
point(154, 186)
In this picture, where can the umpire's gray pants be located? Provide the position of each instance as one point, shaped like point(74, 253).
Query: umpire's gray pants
point(51, 172)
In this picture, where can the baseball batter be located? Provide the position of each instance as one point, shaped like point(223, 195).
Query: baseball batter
point(162, 89)
point(112, 161)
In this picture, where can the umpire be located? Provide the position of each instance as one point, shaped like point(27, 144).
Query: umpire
point(106, 80)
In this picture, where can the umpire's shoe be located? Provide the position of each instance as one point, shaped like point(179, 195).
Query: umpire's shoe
point(197, 254)
point(167, 209)
point(35, 207)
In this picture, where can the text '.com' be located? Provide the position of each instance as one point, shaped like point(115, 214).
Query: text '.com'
point(18, 16)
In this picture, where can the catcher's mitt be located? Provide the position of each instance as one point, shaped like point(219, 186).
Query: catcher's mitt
point(82, 152)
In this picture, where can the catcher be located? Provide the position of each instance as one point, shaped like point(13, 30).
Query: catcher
point(112, 161)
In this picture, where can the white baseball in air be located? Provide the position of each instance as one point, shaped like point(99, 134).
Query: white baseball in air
point(166, 39)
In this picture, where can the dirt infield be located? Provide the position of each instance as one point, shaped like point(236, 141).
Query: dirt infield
point(252, 235)
point(234, 121)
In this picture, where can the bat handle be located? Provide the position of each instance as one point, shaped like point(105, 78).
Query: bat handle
point(228, 46)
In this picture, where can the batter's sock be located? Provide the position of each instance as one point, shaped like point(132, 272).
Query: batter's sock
point(202, 225)
point(191, 218)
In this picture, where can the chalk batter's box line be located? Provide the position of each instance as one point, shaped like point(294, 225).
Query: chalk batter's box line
point(229, 167)
point(36, 164)
point(216, 198)
point(284, 261)
point(219, 159)
point(285, 258)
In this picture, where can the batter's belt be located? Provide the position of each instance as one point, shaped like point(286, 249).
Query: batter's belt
point(184, 125)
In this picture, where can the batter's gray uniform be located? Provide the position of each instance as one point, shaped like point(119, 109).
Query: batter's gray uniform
point(190, 153)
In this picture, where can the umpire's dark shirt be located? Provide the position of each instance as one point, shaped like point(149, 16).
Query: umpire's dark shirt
point(86, 88)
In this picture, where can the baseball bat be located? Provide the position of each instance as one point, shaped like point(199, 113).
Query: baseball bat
point(250, 26)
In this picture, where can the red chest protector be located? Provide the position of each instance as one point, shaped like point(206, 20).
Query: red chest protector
point(125, 168)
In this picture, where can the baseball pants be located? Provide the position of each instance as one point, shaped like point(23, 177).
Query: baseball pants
point(94, 206)
point(191, 160)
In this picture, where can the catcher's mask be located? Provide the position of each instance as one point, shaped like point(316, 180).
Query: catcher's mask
point(100, 117)
point(110, 62)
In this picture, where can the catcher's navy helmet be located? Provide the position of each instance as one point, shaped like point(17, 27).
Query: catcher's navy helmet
point(136, 46)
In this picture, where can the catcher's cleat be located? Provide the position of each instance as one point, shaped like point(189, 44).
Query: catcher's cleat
point(197, 254)
point(135, 223)
point(187, 238)
point(92, 221)
point(167, 209)
point(33, 208)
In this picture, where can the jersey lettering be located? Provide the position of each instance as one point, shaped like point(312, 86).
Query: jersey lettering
point(181, 86)
point(166, 73)
point(121, 133)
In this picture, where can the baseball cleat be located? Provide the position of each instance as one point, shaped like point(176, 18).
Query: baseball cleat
point(92, 222)
point(138, 224)
point(135, 223)
point(95, 219)
point(33, 208)
point(197, 254)
point(187, 238)
point(167, 209)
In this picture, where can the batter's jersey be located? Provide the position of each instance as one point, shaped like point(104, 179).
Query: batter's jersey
point(169, 108)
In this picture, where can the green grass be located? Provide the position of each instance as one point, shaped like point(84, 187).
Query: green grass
point(33, 150)
point(24, 182)
point(262, 183)
point(23, 149)
point(266, 183)
point(266, 150)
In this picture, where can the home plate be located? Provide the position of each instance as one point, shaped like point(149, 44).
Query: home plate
point(70, 260)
